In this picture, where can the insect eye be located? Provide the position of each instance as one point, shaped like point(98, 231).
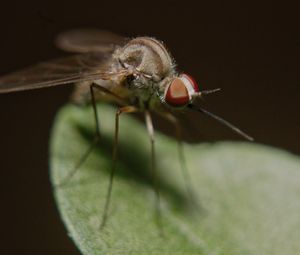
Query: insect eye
point(190, 82)
point(181, 90)
point(176, 93)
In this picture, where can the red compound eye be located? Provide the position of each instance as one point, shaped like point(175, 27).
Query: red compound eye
point(190, 83)
point(177, 93)
point(181, 90)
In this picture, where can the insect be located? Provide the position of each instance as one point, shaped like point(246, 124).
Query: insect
point(138, 74)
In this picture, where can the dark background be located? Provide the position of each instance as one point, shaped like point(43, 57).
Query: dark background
point(249, 50)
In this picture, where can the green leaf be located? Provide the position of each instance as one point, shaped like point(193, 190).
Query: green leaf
point(247, 195)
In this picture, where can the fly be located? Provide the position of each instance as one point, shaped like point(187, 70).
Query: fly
point(138, 74)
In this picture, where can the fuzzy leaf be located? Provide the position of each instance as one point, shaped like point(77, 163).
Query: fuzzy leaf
point(246, 195)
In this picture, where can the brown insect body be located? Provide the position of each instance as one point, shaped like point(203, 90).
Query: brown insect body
point(147, 68)
point(139, 74)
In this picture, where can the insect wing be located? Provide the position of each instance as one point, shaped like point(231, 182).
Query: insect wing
point(76, 68)
point(88, 40)
point(96, 47)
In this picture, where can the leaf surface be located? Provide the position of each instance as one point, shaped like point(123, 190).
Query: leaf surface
point(246, 195)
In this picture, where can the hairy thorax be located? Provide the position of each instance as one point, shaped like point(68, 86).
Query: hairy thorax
point(149, 68)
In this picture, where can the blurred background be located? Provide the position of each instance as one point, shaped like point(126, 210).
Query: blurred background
point(247, 49)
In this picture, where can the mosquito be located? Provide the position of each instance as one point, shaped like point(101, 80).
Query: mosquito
point(138, 74)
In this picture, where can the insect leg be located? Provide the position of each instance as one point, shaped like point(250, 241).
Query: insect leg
point(97, 130)
point(125, 109)
point(93, 99)
point(183, 165)
point(150, 130)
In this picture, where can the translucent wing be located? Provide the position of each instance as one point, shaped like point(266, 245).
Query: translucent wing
point(78, 68)
point(96, 47)
point(88, 40)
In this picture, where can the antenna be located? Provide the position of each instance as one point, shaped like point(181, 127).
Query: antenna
point(222, 121)
point(205, 92)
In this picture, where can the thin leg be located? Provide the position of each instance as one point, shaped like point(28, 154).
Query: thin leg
point(97, 130)
point(125, 109)
point(91, 147)
point(150, 130)
point(93, 97)
point(183, 165)
point(92, 87)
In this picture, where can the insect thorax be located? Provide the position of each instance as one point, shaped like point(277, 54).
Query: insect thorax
point(150, 60)
point(146, 55)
